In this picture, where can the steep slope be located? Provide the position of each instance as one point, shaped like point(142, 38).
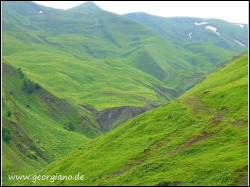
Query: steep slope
point(199, 139)
point(76, 55)
point(206, 43)
point(186, 29)
point(90, 34)
point(87, 7)
point(93, 34)
point(38, 127)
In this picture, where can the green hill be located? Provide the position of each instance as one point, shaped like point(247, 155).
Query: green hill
point(86, 7)
point(203, 48)
point(199, 139)
point(88, 33)
point(38, 127)
point(94, 52)
point(188, 29)
point(76, 55)
point(81, 93)
point(70, 76)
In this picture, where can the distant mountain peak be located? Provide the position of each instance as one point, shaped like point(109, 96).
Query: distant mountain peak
point(88, 6)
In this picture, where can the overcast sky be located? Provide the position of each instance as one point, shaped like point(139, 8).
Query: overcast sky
point(231, 11)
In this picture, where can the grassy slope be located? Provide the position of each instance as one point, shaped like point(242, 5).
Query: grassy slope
point(93, 45)
point(91, 34)
point(95, 75)
point(37, 125)
point(205, 50)
point(199, 139)
point(177, 29)
point(97, 84)
point(67, 74)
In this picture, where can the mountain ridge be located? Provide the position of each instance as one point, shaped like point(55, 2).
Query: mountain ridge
point(87, 7)
point(178, 140)
point(70, 76)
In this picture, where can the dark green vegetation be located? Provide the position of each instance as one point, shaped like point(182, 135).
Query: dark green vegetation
point(6, 134)
point(199, 139)
point(30, 86)
point(70, 76)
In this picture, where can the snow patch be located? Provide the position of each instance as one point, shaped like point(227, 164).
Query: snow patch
point(239, 43)
point(213, 29)
point(40, 12)
point(242, 26)
point(202, 23)
point(190, 35)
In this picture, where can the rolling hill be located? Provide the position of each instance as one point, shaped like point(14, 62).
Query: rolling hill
point(72, 77)
point(199, 139)
point(80, 94)
point(38, 127)
point(212, 40)
point(80, 63)
point(187, 29)
point(90, 34)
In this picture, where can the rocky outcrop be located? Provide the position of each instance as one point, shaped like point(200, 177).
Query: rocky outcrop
point(110, 118)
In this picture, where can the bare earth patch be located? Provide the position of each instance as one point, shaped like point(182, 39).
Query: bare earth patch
point(243, 178)
point(198, 138)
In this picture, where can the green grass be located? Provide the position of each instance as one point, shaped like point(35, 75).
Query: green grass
point(203, 52)
point(234, 72)
point(98, 36)
point(199, 139)
point(38, 124)
point(99, 83)
point(177, 29)
point(84, 68)
point(87, 56)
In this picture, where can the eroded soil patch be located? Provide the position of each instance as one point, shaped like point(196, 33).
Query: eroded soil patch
point(198, 138)
point(243, 177)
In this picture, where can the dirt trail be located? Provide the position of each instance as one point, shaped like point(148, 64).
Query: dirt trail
point(198, 138)
point(197, 105)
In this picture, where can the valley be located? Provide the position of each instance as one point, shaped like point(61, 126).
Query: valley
point(131, 99)
point(203, 133)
